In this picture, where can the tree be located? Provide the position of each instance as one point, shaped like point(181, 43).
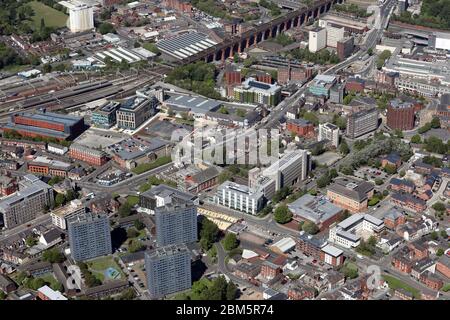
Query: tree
point(230, 242)
point(378, 181)
point(434, 235)
point(132, 233)
point(439, 206)
point(443, 234)
point(231, 291)
point(105, 28)
point(282, 214)
point(53, 256)
point(240, 113)
point(390, 169)
point(435, 123)
point(343, 148)
point(60, 199)
point(2, 295)
point(30, 241)
point(370, 51)
point(135, 246)
point(402, 173)
point(209, 232)
point(440, 252)
point(416, 139)
point(128, 294)
point(42, 27)
point(310, 227)
point(139, 225)
point(125, 210)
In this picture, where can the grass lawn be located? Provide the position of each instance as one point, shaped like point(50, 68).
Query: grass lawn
point(14, 68)
point(446, 287)
point(50, 278)
point(152, 165)
point(99, 266)
point(351, 266)
point(52, 17)
point(395, 283)
point(133, 200)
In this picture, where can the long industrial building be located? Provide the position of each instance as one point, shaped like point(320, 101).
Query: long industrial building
point(46, 125)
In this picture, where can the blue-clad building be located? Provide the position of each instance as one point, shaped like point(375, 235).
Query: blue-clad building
point(105, 115)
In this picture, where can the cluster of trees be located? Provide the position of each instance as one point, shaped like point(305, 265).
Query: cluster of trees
point(435, 162)
point(217, 289)
point(36, 283)
point(230, 242)
point(284, 39)
point(377, 197)
point(367, 248)
point(386, 54)
point(378, 146)
point(326, 178)
point(433, 14)
point(53, 256)
point(89, 279)
point(61, 199)
point(440, 210)
point(282, 214)
point(106, 27)
point(320, 57)
point(198, 77)
point(435, 123)
point(339, 121)
point(350, 271)
point(209, 233)
point(344, 148)
point(9, 57)
point(211, 7)
point(15, 17)
point(309, 227)
point(273, 7)
point(31, 241)
point(353, 9)
point(434, 144)
point(13, 134)
point(155, 181)
point(281, 194)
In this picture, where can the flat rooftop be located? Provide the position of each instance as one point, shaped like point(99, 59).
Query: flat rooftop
point(51, 117)
point(315, 209)
point(185, 45)
point(195, 104)
point(136, 147)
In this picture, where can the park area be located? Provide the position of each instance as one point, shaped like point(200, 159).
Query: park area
point(52, 17)
point(105, 268)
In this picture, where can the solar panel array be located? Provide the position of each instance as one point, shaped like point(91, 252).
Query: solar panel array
point(259, 85)
point(185, 45)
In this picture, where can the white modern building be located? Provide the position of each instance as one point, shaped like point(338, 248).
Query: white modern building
point(239, 197)
point(328, 131)
point(349, 232)
point(290, 169)
point(317, 39)
point(81, 15)
point(333, 34)
point(61, 215)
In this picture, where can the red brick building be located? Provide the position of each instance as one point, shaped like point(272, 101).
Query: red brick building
point(286, 74)
point(402, 185)
point(393, 219)
point(300, 127)
point(402, 264)
point(8, 184)
point(408, 201)
point(418, 251)
point(300, 293)
point(355, 85)
point(443, 265)
point(180, 5)
point(264, 77)
point(400, 115)
point(431, 280)
point(310, 246)
point(233, 77)
point(90, 156)
point(270, 270)
point(202, 180)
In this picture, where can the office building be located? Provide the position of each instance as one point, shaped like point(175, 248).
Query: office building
point(349, 232)
point(328, 131)
point(400, 115)
point(32, 199)
point(300, 127)
point(105, 115)
point(322, 84)
point(252, 91)
point(81, 15)
point(61, 215)
point(168, 270)
point(350, 194)
point(362, 122)
point(318, 210)
point(337, 93)
point(334, 34)
point(345, 47)
point(45, 124)
point(290, 169)
point(176, 222)
point(240, 197)
point(89, 236)
point(88, 155)
point(135, 111)
point(317, 39)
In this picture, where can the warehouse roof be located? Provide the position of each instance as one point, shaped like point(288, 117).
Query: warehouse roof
point(185, 45)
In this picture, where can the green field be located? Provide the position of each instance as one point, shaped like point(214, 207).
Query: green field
point(52, 17)
point(133, 200)
point(50, 279)
point(395, 283)
point(99, 266)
